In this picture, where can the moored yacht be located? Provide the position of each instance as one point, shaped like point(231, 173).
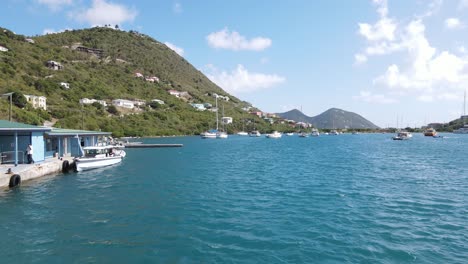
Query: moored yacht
point(430, 132)
point(242, 133)
point(275, 134)
point(315, 132)
point(254, 133)
point(402, 135)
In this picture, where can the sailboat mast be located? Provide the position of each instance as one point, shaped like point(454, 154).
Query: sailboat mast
point(216, 113)
point(464, 108)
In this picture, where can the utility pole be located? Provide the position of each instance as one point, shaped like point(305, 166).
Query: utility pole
point(82, 117)
point(10, 95)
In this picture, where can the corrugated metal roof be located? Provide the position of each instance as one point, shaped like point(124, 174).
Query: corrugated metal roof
point(74, 132)
point(15, 126)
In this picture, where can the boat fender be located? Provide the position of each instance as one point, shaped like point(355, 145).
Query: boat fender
point(15, 180)
point(65, 166)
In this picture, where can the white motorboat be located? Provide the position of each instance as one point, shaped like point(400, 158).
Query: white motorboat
point(303, 134)
point(242, 133)
point(255, 133)
point(99, 156)
point(275, 134)
point(333, 132)
point(209, 134)
point(403, 135)
point(289, 134)
point(221, 135)
point(315, 132)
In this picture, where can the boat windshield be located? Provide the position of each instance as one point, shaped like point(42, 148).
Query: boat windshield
point(93, 152)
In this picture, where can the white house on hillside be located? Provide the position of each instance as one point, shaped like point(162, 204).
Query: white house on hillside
point(226, 120)
point(123, 103)
point(65, 85)
point(3, 48)
point(91, 101)
point(139, 102)
point(37, 101)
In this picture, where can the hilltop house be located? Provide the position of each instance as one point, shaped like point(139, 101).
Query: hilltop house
point(257, 113)
point(65, 85)
point(199, 107)
point(222, 97)
point(174, 93)
point(138, 75)
point(152, 79)
point(123, 103)
point(3, 49)
point(91, 101)
point(139, 102)
point(54, 65)
point(37, 101)
point(29, 40)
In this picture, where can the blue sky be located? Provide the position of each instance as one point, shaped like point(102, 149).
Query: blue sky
point(381, 59)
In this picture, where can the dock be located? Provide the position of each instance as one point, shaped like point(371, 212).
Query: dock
point(9, 173)
point(141, 145)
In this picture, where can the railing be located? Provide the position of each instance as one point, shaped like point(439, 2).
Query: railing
point(9, 157)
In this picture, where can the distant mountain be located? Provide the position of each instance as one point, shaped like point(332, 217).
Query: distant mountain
point(332, 118)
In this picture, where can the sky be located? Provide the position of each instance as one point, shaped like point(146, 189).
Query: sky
point(390, 61)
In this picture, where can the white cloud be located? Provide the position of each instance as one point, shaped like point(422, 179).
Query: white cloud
point(173, 47)
point(55, 5)
point(368, 97)
point(453, 23)
point(384, 29)
point(240, 80)
point(428, 68)
point(360, 58)
point(102, 12)
point(53, 31)
point(225, 39)
point(425, 69)
point(177, 8)
point(425, 98)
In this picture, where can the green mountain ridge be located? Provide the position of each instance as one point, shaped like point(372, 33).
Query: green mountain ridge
point(330, 119)
point(109, 76)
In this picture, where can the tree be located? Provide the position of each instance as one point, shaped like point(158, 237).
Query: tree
point(19, 100)
point(116, 26)
point(112, 109)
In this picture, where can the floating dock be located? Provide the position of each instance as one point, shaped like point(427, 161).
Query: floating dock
point(141, 145)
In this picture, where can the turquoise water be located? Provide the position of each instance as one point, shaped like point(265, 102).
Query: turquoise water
point(333, 199)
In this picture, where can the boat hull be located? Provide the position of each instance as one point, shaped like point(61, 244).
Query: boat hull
point(83, 164)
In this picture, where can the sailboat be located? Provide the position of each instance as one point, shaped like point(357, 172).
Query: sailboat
point(243, 133)
point(464, 128)
point(212, 133)
point(220, 134)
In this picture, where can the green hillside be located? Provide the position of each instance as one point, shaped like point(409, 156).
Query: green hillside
point(112, 76)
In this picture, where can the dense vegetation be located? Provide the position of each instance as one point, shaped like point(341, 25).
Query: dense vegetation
point(23, 71)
